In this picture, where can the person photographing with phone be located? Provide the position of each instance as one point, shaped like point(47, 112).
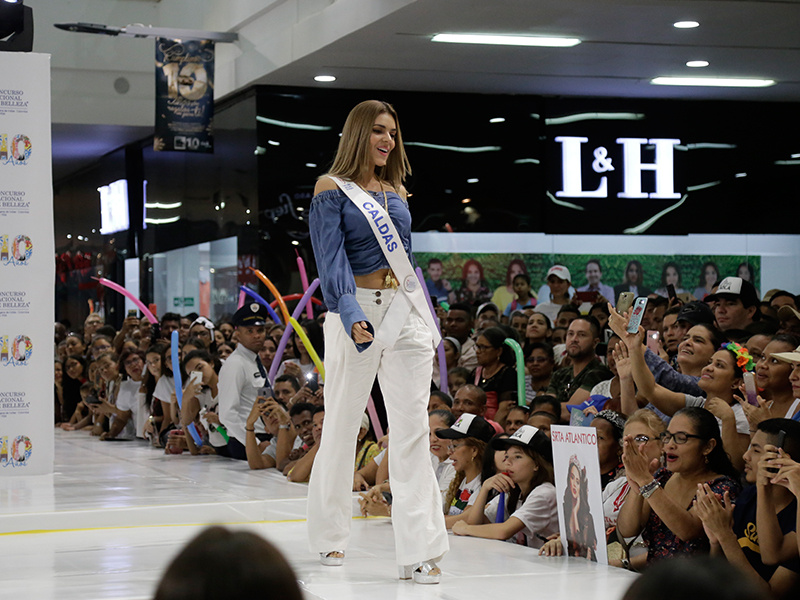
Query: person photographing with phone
point(720, 378)
point(241, 378)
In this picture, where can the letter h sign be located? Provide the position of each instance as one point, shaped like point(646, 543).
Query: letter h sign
point(572, 185)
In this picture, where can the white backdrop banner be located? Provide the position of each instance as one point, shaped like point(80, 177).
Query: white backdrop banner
point(27, 267)
point(580, 498)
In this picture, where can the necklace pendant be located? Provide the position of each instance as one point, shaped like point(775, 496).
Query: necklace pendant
point(389, 282)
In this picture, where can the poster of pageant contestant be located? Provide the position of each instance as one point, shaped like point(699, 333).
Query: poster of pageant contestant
point(580, 501)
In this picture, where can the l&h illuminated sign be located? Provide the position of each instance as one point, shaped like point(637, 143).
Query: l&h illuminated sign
point(663, 167)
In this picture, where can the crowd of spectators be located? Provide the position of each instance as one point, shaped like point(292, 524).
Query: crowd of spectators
point(689, 463)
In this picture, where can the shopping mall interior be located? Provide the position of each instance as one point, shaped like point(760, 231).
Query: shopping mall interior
point(649, 128)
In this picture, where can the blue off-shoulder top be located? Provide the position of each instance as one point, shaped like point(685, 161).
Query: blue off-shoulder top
point(344, 246)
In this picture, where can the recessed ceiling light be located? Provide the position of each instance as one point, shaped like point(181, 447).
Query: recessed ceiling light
point(466, 201)
point(472, 180)
point(325, 78)
point(497, 120)
point(506, 40)
point(686, 24)
point(697, 63)
point(713, 81)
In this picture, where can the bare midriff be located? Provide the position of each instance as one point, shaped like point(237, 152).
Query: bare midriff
point(372, 281)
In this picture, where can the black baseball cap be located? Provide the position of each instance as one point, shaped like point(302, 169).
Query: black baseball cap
point(528, 436)
point(468, 425)
point(695, 313)
point(736, 287)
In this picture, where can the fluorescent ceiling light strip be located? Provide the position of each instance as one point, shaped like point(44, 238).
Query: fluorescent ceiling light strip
point(290, 125)
point(466, 150)
point(705, 145)
point(787, 162)
point(713, 81)
point(594, 116)
point(163, 206)
point(647, 224)
point(161, 221)
point(506, 40)
point(701, 186)
point(522, 161)
point(564, 203)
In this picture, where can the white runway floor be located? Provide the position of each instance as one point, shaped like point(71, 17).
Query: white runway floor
point(109, 521)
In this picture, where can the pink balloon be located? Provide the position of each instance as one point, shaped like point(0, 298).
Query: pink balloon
point(118, 288)
point(304, 280)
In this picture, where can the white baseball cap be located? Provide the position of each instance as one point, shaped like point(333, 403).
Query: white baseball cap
point(561, 272)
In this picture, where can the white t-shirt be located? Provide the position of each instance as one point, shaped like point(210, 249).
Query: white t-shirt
point(538, 513)
point(165, 387)
point(602, 389)
point(465, 496)
point(445, 473)
point(128, 399)
point(549, 309)
point(209, 403)
point(271, 448)
point(793, 408)
point(742, 425)
point(613, 498)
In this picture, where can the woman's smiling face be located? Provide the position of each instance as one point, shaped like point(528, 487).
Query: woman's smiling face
point(718, 376)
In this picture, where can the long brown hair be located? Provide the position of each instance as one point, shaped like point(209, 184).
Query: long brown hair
point(352, 156)
point(543, 474)
point(480, 447)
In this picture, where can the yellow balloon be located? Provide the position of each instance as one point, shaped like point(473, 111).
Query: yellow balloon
point(307, 343)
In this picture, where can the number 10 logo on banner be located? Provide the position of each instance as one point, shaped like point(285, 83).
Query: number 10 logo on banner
point(184, 95)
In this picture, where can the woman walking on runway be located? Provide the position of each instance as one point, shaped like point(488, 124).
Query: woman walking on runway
point(378, 324)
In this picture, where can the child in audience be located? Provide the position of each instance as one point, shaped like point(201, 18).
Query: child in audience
point(529, 513)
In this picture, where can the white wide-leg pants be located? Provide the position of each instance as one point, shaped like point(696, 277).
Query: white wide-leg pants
point(404, 374)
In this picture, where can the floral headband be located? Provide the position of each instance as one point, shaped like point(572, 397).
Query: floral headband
point(613, 417)
point(743, 359)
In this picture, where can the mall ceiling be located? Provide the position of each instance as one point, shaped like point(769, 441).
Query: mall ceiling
point(386, 44)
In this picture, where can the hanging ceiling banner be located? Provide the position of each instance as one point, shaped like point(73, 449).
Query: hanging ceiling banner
point(184, 95)
point(28, 405)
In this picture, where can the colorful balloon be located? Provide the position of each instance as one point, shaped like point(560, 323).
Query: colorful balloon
point(260, 300)
point(304, 280)
point(373, 418)
point(520, 371)
point(292, 297)
point(139, 304)
point(271, 286)
point(176, 373)
point(273, 369)
point(501, 509)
